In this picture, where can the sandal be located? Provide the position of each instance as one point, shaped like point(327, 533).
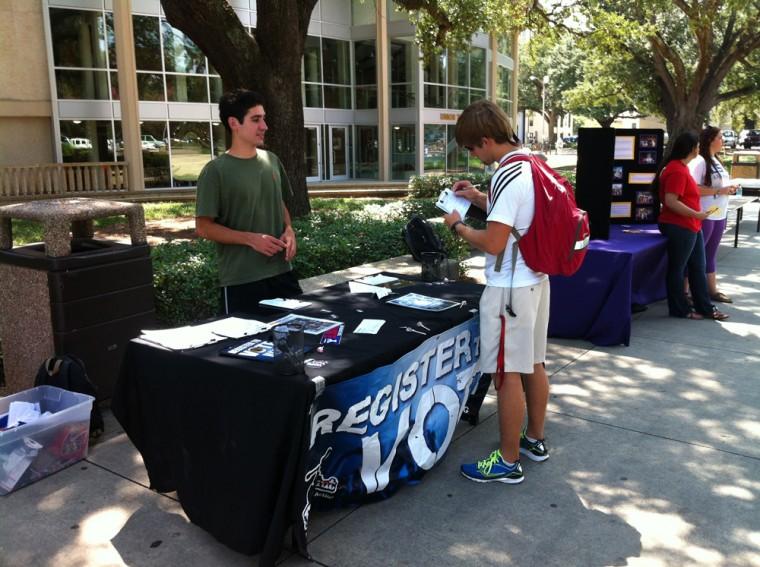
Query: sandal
point(694, 315)
point(717, 315)
point(721, 297)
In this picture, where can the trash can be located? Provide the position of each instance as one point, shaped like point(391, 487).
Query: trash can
point(72, 294)
point(746, 164)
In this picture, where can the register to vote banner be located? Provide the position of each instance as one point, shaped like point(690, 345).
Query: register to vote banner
point(375, 432)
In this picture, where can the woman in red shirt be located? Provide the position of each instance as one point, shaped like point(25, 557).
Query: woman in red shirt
point(680, 222)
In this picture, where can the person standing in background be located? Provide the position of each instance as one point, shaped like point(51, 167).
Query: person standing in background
point(714, 189)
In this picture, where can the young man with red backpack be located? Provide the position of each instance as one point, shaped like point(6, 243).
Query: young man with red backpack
point(514, 307)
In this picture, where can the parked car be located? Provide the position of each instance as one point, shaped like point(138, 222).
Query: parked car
point(729, 139)
point(81, 143)
point(752, 139)
point(570, 141)
point(148, 146)
point(157, 144)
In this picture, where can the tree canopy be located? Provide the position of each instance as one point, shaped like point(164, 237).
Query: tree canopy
point(679, 57)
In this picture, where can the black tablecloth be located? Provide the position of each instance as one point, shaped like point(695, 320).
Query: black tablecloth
point(231, 437)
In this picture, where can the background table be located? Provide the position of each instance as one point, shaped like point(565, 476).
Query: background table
point(231, 437)
point(595, 303)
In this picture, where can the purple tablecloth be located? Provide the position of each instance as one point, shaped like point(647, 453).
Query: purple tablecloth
point(595, 303)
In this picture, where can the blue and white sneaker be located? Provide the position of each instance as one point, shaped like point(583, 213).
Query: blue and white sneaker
point(493, 469)
point(534, 450)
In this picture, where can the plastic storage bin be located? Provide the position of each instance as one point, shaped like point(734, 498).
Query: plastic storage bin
point(35, 450)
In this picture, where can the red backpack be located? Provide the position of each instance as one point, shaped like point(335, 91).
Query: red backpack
point(557, 239)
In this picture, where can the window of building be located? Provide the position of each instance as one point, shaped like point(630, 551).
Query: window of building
point(191, 150)
point(312, 73)
point(504, 89)
point(434, 152)
point(365, 68)
point(362, 12)
point(186, 88)
point(336, 69)
point(181, 55)
point(153, 136)
point(78, 38)
point(147, 37)
point(402, 75)
point(367, 161)
point(87, 140)
point(403, 151)
point(454, 80)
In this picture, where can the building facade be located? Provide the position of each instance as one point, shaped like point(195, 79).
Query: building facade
point(62, 103)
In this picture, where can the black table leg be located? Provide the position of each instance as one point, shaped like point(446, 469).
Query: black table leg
point(736, 228)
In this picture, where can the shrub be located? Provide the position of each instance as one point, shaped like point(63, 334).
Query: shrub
point(430, 186)
point(185, 281)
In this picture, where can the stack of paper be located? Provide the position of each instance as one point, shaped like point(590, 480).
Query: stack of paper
point(284, 303)
point(235, 327)
point(196, 336)
point(377, 279)
point(358, 287)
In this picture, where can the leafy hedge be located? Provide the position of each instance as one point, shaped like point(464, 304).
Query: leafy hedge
point(431, 185)
point(185, 275)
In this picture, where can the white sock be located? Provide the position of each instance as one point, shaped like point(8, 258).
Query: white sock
point(531, 439)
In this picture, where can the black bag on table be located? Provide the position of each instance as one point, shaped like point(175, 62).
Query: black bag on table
point(68, 372)
point(425, 247)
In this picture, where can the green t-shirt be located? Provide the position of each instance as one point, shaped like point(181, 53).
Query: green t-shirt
point(245, 194)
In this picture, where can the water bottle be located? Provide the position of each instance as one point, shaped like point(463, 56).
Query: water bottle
point(738, 191)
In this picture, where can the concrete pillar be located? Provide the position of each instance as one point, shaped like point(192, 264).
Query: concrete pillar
point(383, 91)
point(515, 74)
point(493, 90)
point(130, 115)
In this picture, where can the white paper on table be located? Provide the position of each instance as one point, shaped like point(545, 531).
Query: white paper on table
point(369, 326)
point(285, 303)
point(377, 279)
point(358, 287)
point(234, 327)
point(448, 201)
point(181, 338)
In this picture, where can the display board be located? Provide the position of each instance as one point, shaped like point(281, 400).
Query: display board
point(616, 168)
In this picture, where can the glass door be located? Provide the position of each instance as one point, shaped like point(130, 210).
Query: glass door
point(313, 151)
point(338, 152)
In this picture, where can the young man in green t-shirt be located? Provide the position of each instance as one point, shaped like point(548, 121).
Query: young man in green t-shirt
point(240, 207)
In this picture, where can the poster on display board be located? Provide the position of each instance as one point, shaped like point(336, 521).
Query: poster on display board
point(376, 432)
point(614, 177)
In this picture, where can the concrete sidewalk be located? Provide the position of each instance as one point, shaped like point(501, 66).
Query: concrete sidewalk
point(655, 460)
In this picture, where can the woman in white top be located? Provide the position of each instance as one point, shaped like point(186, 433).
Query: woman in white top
point(714, 188)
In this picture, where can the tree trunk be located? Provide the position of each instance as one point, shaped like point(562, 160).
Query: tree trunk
point(268, 62)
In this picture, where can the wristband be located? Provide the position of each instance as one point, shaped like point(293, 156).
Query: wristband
point(453, 227)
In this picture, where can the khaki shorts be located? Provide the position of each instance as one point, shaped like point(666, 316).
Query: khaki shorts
point(525, 334)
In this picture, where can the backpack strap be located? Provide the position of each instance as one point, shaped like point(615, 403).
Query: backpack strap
point(514, 232)
point(53, 365)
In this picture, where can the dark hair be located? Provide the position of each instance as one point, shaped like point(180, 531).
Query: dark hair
point(706, 137)
point(683, 145)
point(484, 119)
point(236, 104)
